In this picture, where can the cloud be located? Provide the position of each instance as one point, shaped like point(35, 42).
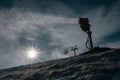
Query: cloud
point(6, 3)
point(58, 54)
point(111, 45)
point(21, 26)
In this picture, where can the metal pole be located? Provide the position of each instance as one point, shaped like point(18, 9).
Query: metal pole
point(90, 39)
point(74, 52)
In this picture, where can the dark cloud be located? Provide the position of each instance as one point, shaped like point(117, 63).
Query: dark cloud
point(111, 38)
point(84, 5)
point(6, 3)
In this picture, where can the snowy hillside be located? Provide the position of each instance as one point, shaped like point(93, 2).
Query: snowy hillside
point(97, 64)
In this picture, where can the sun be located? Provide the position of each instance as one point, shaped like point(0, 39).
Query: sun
point(32, 53)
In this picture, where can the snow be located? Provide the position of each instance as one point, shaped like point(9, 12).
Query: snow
point(98, 64)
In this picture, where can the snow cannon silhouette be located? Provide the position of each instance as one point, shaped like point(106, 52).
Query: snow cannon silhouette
point(85, 26)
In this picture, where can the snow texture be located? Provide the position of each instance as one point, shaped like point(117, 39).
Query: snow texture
point(96, 64)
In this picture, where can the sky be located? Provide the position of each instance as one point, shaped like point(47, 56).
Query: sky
point(52, 26)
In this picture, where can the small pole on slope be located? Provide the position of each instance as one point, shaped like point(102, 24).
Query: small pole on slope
point(85, 26)
point(74, 50)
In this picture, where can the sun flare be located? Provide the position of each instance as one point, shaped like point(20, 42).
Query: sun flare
point(32, 53)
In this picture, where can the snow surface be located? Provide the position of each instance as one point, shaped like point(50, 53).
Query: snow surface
point(96, 64)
